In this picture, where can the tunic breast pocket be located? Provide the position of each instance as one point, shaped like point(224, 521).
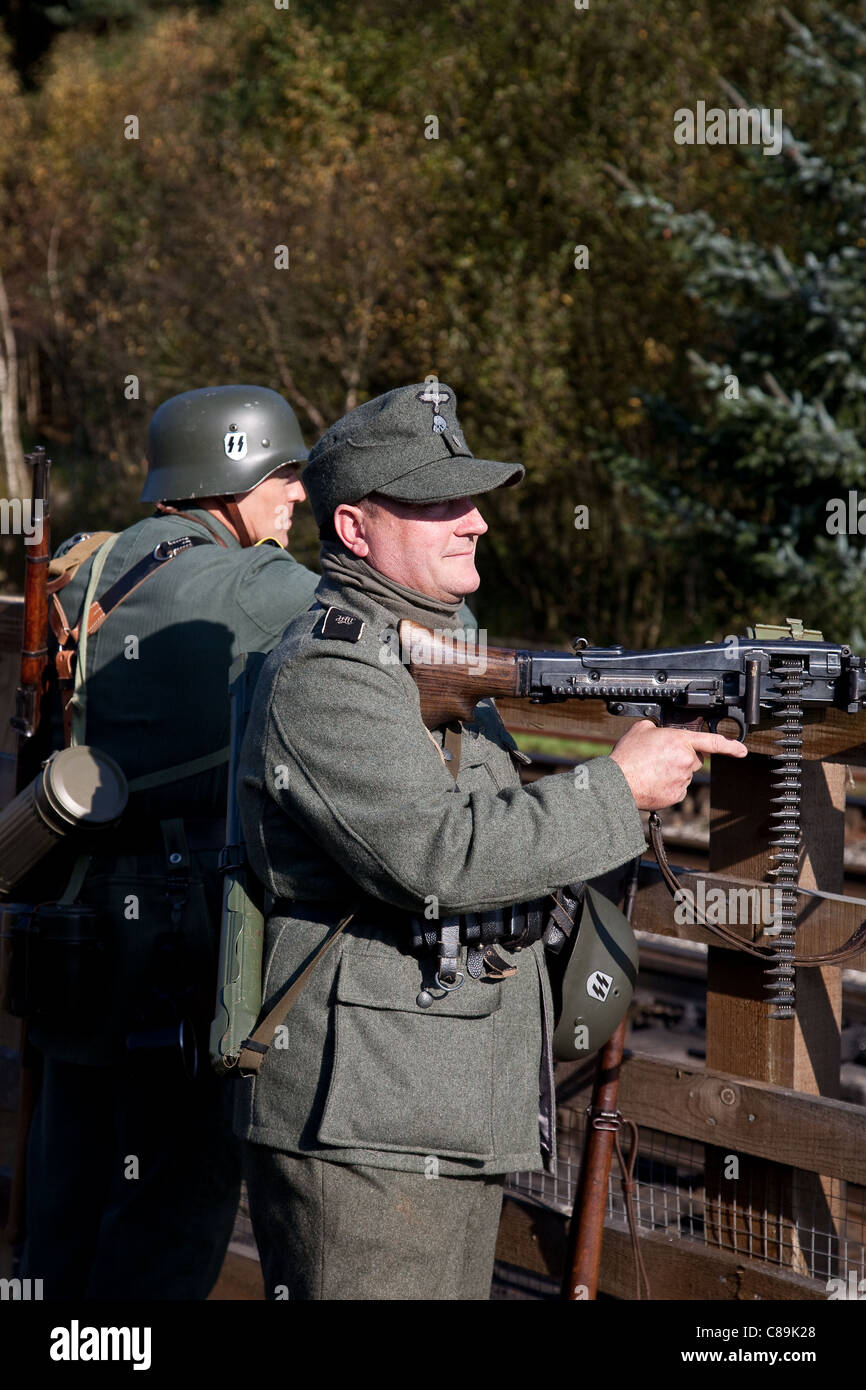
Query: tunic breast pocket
point(407, 1079)
point(489, 754)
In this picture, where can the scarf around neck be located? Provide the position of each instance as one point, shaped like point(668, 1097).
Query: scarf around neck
point(352, 572)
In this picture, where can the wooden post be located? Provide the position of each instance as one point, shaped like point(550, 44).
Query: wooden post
point(754, 1206)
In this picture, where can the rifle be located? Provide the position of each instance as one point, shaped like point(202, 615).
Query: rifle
point(34, 645)
point(604, 1120)
point(780, 672)
point(242, 931)
point(25, 721)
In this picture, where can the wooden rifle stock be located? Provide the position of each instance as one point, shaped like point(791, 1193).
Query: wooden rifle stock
point(34, 646)
point(452, 673)
point(34, 656)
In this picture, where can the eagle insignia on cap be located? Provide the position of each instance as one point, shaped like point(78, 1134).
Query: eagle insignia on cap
point(434, 395)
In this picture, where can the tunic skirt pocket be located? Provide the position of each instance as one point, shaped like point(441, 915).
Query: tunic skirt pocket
point(407, 1079)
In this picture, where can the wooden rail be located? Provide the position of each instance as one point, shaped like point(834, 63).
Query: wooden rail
point(816, 1134)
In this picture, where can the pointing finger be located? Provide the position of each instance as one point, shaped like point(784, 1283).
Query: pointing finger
point(717, 743)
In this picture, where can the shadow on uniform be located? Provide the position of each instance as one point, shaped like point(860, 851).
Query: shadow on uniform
point(133, 1173)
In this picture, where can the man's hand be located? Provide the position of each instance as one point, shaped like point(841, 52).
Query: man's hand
point(659, 764)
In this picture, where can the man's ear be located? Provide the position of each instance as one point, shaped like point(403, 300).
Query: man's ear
point(350, 526)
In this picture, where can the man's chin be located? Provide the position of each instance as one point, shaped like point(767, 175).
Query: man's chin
point(459, 585)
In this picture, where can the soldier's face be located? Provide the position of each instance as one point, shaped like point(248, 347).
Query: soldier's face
point(429, 546)
point(267, 509)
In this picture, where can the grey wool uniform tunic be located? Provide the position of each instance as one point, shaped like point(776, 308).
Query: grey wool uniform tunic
point(347, 802)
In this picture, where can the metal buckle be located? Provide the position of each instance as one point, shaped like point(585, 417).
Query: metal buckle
point(166, 550)
point(442, 985)
point(604, 1119)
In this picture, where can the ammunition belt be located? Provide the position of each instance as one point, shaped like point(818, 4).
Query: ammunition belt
point(550, 919)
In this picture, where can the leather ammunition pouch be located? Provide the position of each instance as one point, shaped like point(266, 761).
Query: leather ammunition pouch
point(549, 919)
point(157, 905)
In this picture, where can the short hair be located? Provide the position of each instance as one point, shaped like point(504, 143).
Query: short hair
point(327, 531)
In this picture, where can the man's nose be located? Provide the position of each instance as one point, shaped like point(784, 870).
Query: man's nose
point(472, 524)
point(295, 491)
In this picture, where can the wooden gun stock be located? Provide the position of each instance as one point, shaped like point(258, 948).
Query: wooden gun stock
point(25, 721)
point(34, 649)
point(452, 673)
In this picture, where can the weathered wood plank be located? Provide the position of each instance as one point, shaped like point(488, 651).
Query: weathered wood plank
point(11, 623)
point(810, 1132)
point(741, 1037)
point(786, 1210)
point(11, 626)
point(680, 1269)
point(828, 735)
point(532, 1238)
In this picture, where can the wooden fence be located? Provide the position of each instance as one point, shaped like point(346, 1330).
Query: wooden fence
point(768, 1095)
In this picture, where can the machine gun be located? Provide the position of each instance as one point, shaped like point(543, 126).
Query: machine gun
point(779, 673)
point(743, 678)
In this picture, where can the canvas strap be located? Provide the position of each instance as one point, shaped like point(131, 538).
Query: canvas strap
point(255, 1048)
point(71, 657)
point(850, 948)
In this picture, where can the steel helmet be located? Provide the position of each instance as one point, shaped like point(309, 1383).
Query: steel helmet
point(599, 979)
point(218, 442)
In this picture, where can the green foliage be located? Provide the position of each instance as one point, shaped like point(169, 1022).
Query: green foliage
point(307, 128)
point(774, 429)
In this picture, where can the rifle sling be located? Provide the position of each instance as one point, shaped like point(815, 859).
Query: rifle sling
point(71, 641)
point(850, 948)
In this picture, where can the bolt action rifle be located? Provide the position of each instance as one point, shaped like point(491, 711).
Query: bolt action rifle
point(779, 673)
point(25, 722)
point(34, 644)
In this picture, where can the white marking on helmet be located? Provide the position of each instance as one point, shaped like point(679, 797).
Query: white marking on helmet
point(598, 985)
point(235, 445)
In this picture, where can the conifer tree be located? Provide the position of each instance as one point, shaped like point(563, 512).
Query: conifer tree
point(754, 461)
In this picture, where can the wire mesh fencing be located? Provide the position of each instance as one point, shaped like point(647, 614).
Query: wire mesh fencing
point(808, 1224)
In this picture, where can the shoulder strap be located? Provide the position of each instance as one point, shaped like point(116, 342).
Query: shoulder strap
point(99, 608)
point(71, 657)
point(180, 770)
point(255, 1048)
point(75, 707)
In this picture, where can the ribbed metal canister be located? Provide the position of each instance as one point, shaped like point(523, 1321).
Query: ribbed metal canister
point(78, 788)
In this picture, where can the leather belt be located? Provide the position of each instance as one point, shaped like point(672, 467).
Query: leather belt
point(551, 919)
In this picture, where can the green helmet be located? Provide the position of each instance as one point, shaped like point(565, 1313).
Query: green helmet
point(219, 442)
point(599, 979)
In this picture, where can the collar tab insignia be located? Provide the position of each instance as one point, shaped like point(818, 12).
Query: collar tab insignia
point(345, 627)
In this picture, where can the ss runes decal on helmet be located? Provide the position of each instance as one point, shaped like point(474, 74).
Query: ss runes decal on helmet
point(235, 445)
point(598, 985)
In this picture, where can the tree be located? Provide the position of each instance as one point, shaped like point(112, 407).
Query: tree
point(13, 122)
point(747, 468)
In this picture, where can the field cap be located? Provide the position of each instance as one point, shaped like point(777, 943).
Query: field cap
point(407, 445)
